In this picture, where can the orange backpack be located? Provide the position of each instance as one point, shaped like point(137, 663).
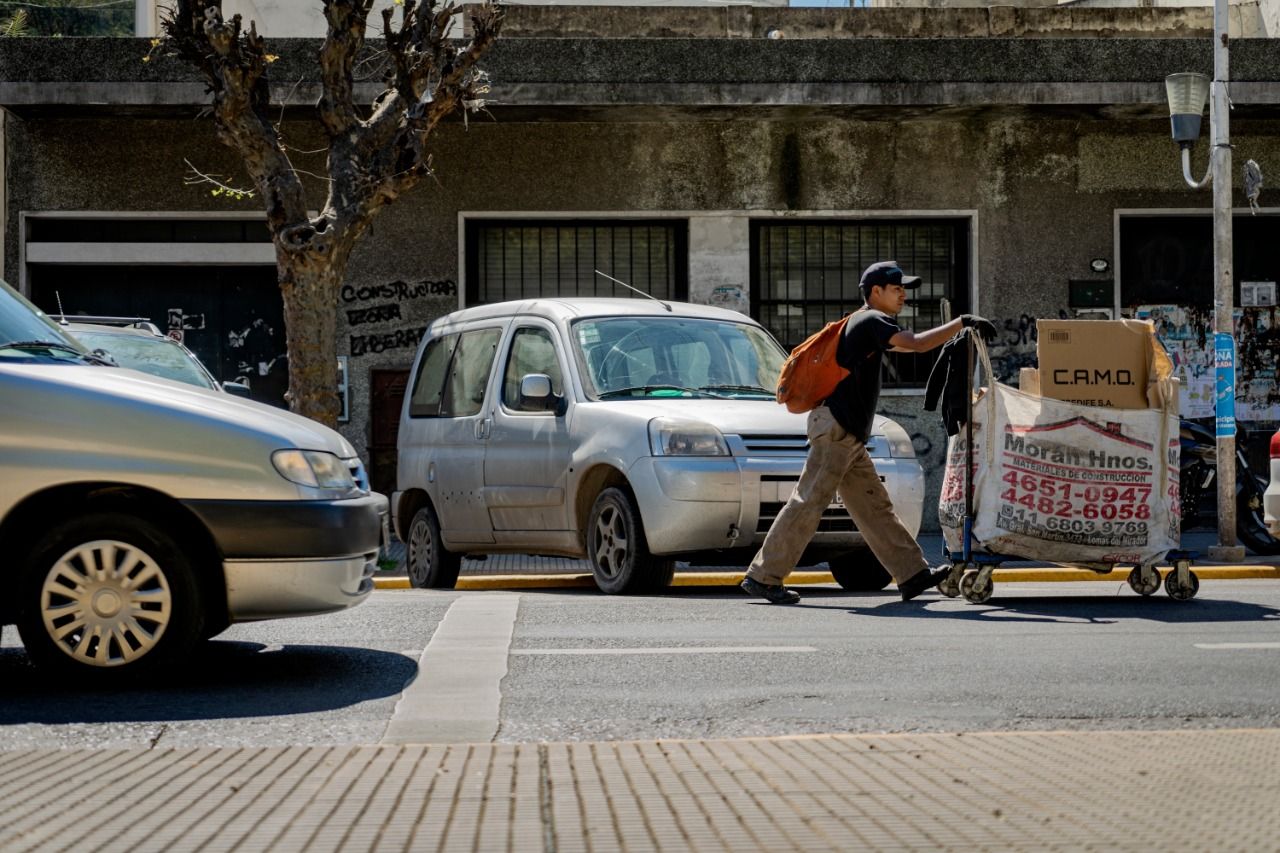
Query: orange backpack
point(811, 373)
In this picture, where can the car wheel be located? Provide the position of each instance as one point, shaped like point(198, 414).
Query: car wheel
point(619, 554)
point(109, 596)
point(859, 571)
point(430, 565)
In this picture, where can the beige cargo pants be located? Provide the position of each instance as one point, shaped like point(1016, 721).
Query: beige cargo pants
point(837, 462)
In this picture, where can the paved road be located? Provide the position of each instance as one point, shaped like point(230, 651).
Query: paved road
point(574, 665)
point(586, 694)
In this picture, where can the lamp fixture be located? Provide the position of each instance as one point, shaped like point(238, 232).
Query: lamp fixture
point(1187, 93)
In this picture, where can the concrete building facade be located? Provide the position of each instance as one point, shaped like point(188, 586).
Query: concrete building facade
point(1024, 175)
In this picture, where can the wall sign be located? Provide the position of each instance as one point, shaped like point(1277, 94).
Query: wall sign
point(1257, 294)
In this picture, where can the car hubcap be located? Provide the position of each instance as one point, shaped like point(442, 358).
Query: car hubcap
point(106, 603)
point(611, 542)
point(420, 550)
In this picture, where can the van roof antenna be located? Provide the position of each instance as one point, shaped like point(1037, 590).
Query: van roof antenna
point(636, 289)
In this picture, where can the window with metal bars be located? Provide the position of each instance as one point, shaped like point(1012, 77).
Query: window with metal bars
point(521, 259)
point(805, 274)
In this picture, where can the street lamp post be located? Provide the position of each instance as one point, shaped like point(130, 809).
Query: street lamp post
point(1186, 93)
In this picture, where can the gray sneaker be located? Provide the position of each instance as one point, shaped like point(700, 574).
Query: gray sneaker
point(774, 593)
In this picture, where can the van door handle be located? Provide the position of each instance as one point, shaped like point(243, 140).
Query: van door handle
point(482, 429)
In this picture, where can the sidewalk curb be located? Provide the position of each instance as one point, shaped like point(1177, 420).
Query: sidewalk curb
point(1030, 575)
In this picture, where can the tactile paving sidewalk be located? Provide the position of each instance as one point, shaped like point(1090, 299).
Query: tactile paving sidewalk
point(1193, 790)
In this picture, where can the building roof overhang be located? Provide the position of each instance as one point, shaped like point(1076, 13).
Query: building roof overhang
point(637, 79)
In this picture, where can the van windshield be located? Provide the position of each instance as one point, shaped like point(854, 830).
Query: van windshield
point(677, 357)
point(27, 334)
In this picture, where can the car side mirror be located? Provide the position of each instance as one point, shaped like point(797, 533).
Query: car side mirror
point(238, 389)
point(536, 394)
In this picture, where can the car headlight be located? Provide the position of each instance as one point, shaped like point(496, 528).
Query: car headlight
point(313, 468)
point(671, 437)
point(900, 446)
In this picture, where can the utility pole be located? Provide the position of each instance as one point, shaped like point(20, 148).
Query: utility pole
point(1186, 104)
point(1223, 283)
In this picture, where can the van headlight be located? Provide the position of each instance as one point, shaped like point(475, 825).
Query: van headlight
point(313, 468)
point(900, 446)
point(672, 437)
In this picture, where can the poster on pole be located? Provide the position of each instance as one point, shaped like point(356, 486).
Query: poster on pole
point(1224, 362)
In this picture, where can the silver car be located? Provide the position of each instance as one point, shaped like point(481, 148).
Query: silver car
point(139, 515)
point(135, 343)
point(632, 432)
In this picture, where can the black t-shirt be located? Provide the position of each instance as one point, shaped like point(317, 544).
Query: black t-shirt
point(866, 336)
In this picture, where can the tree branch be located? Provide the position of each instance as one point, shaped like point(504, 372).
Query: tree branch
point(430, 78)
point(345, 38)
point(234, 65)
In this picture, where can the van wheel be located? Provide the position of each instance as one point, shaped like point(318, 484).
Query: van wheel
point(619, 554)
point(109, 596)
point(430, 565)
point(859, 571)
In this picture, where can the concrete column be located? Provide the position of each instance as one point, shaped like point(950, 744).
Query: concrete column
point(720, 261)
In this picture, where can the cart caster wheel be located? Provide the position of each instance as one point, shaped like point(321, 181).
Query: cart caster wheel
point(950, 587)
point(968, 589)
point(1148, 588)
point(1178, 592)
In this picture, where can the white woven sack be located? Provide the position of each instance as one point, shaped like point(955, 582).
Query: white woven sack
point(1064, 483)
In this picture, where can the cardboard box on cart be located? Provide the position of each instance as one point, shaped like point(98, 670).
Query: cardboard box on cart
point(1109, 363)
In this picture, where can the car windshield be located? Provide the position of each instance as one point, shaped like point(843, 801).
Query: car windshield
point(626, 357)
point(27, 334)
point(157, 356)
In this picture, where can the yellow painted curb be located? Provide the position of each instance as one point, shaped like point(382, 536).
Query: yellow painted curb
point(1030, 575)
point(1041, 575)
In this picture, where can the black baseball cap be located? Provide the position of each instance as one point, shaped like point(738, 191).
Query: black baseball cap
point(884, 273)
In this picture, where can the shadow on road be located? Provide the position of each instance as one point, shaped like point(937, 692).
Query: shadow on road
point(1091, 610)
point(224, 680)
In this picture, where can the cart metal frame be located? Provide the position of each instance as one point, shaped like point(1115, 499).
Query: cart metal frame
point(971, 573)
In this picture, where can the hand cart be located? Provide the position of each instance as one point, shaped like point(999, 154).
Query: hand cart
point(971, 570)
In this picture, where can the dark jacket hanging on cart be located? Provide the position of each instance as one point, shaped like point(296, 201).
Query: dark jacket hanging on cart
point(949, 383)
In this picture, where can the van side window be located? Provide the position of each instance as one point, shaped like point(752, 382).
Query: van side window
point(428, 386)
point(469, 373)
point(532, 351)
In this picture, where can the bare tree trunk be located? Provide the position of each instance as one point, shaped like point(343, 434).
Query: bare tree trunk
point(309, 286)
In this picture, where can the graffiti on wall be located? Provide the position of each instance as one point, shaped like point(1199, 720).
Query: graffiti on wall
point(386, 300)
point(1186, 332)
point(256, 350)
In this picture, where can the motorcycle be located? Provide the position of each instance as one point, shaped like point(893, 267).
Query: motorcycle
point(1198, 488)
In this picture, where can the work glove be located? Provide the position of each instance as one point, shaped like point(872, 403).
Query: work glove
point(981, 325)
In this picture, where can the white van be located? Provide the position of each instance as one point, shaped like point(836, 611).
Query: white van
point(139, 515)
point(632, 432)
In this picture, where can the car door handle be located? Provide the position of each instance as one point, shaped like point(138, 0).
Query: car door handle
point(482, 429)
